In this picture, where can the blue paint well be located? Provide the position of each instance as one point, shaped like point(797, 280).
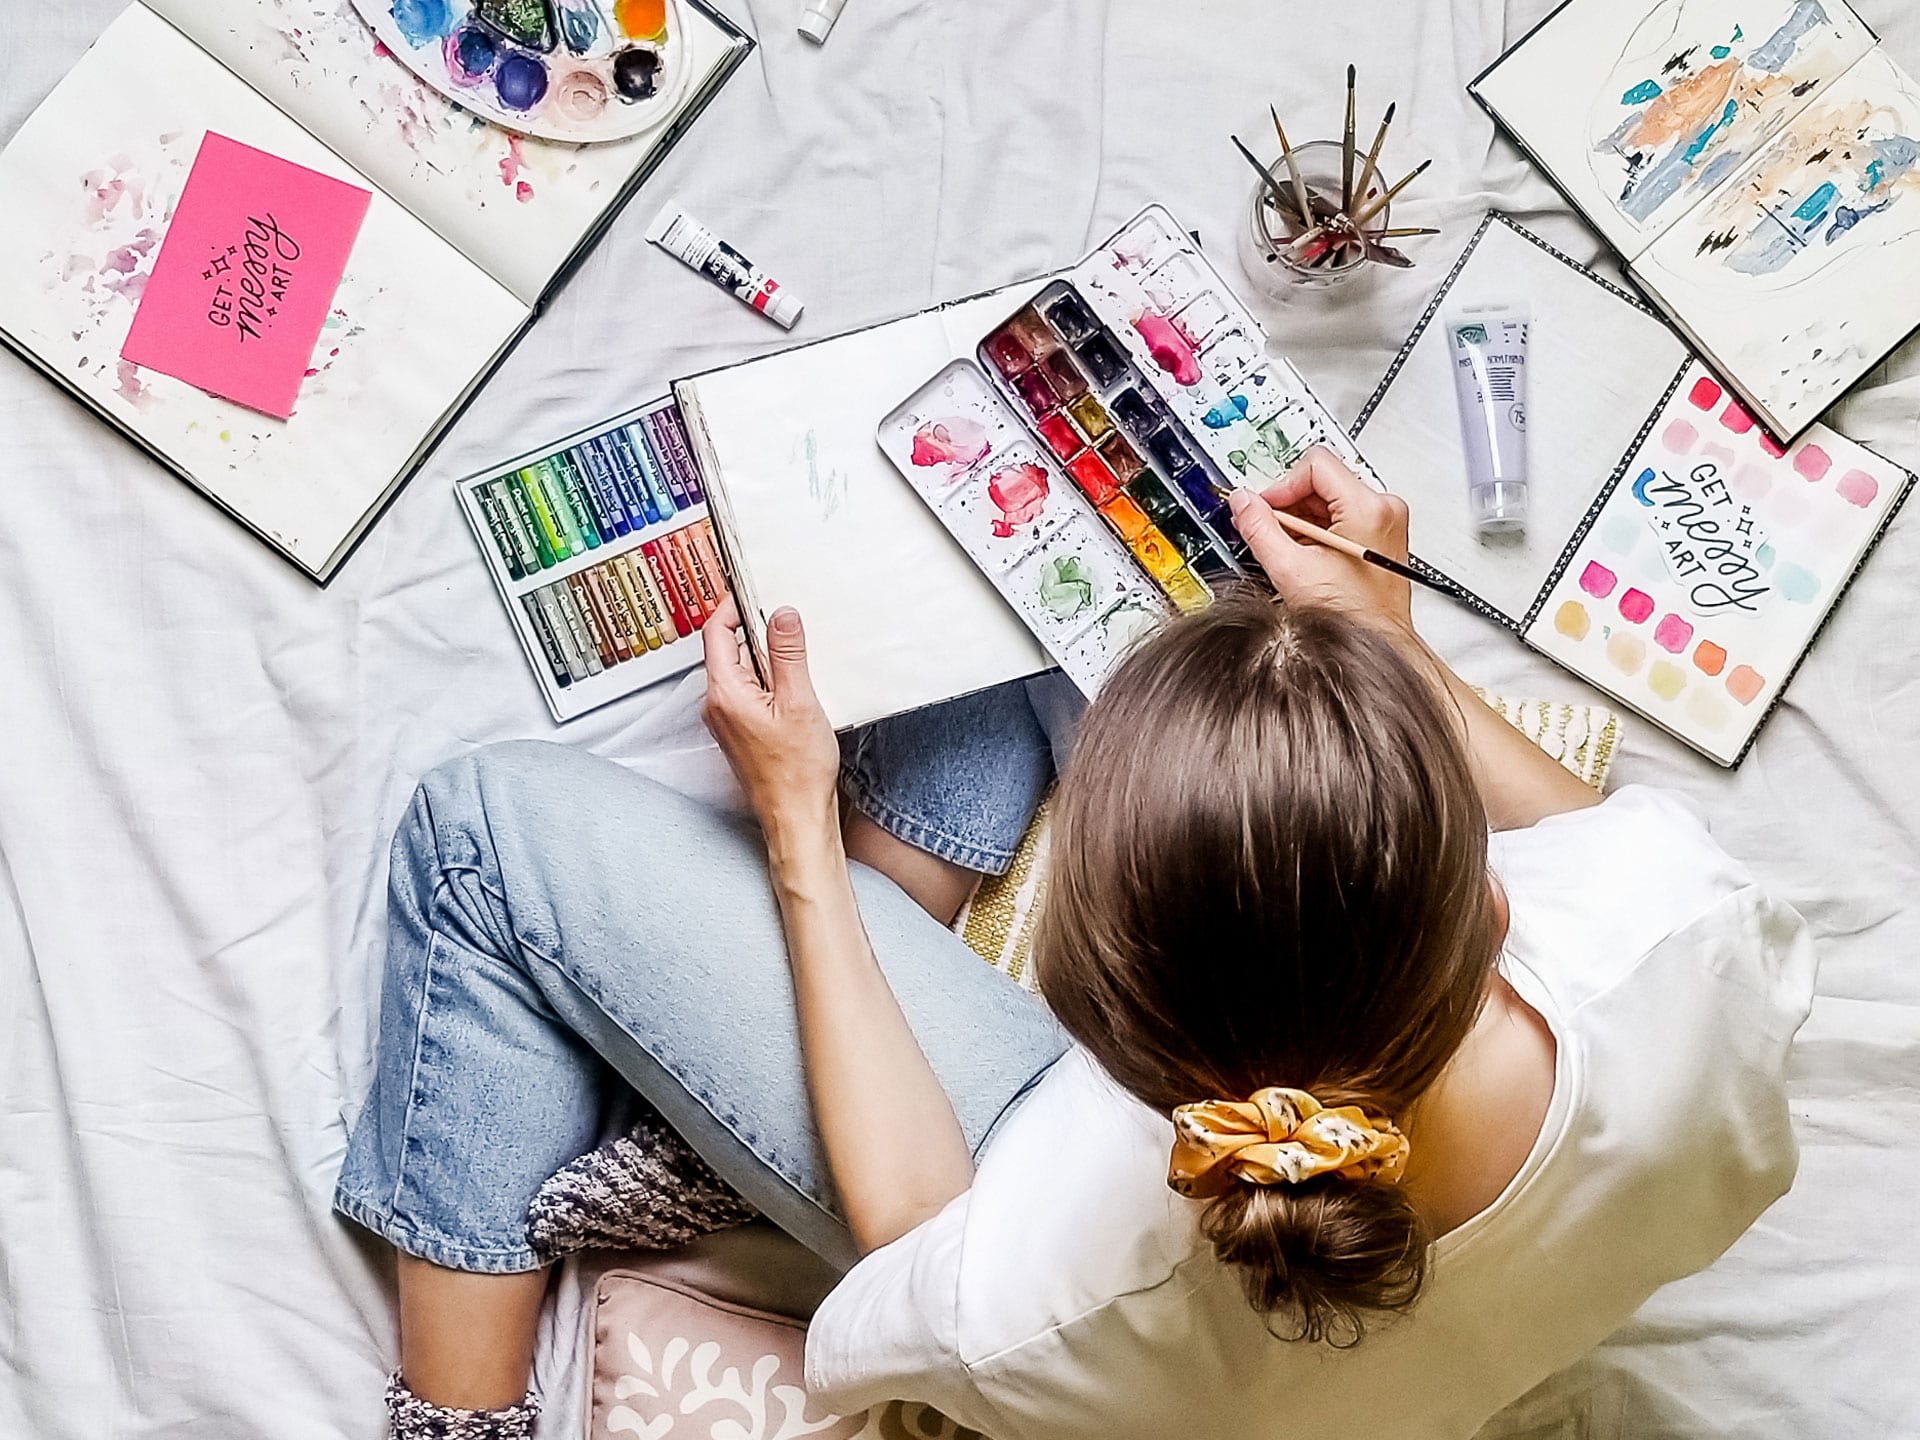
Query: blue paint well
point(422, 21)
point(474, 50)
point(520, 82)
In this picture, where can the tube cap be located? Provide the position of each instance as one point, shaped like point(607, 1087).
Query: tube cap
point(818, 20)
point(1499, 508)
point(784, 308)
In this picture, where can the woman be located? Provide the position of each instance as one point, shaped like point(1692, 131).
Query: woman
point(1346, 1119)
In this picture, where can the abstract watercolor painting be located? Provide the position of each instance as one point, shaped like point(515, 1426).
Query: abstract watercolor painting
point(577, 70)
point(1699, 88)
point(1712, 564)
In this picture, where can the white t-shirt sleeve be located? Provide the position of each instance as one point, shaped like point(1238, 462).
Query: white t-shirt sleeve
point(871, 1339)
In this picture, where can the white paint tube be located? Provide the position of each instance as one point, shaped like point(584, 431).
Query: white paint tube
point(697, 247)
point(818, 19)
point(1488, 348)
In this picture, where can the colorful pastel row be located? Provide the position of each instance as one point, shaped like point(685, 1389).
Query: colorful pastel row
point(589, 495)
point(1673, 634)
point(628, 606)
point(1811, 462)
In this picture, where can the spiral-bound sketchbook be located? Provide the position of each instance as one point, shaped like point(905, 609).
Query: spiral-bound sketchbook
point(1757, 165)
point(1675, 556)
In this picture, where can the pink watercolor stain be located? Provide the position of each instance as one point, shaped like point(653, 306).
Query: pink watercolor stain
point(1172, 351)
point(1680, 438)
point(523, 192)
point(130, 387)
point(1706, 393)
point(1636, 605)
point(1745, 684)
point(1751, 482)
point(1020, 492)
point(511, 164)
point(1812, 463)
point(957, 442)
point(1672, 634)
point(1597, 580)
point(1772, 446)
point(1736, 419)
point(1858, 488)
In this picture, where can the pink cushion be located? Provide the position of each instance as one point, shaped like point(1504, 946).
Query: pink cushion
point(672, 1360)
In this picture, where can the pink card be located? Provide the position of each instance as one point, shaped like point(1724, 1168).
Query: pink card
point(246, 275)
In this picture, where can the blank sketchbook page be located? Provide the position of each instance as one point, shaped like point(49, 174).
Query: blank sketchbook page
point(1638, 111)
point(517, 205)
point(1598, 366)
point(90, 183)
point(897, 616)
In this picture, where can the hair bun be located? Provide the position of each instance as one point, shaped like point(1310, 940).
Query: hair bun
point(1322, 1253)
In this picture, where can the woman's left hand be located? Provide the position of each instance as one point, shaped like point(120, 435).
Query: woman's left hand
point(776, 736)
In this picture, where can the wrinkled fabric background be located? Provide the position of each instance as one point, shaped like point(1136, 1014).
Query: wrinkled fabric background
point(202, 755)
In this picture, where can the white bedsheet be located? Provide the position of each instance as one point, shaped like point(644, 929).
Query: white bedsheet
point(201, 755)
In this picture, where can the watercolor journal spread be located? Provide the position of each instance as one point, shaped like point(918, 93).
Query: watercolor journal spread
point(1756, 162)
point(1081, 451)
point(1676, 556)
point(603, 554)
point(268, 253)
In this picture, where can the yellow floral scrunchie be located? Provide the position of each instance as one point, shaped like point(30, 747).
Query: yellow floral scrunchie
point(1279, 1137)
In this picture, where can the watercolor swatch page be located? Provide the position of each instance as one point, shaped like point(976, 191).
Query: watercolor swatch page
point(1082, 456)
point(1678, 556)
point(573, 70)
point(1758, 164)
point(1714, 559)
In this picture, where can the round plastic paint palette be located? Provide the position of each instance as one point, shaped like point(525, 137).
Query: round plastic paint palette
point(574, 70)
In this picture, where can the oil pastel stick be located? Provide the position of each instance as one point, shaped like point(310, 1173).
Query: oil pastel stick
point(562, 631)
point(710, 552)
point(617, 630)
point(663, 582)
point(621, 446)
point(681, 563)
point(586, 534)
point(669, 438)
point(599, 472)
point(705, 583)
point(606, 584)
point(506, 497)
point(650, 474)
point(497, 527)
point(586, 500)
point(565, 528)
point(577, 625)
point(551, 530)
point(609, 458)
point(596, 626)
point(549, 644)
point(652, 610)
point(640, 605)
point(522, 507)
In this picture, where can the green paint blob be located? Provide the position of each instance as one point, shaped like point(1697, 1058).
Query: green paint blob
point(1238, 459)
point(1066, 586)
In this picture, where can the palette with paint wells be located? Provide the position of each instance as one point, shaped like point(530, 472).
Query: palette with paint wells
point(1083, 456)
point(572, 70)
point(602, 550)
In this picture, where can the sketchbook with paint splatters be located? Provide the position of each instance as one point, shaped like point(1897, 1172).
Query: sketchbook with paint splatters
point(1675, 556)
point(1757, 165)
point(468, 230)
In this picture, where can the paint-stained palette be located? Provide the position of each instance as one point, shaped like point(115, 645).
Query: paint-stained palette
point(575, 70)
point(1084, 457)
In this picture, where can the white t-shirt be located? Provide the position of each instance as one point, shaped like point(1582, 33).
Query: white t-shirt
point(1069, 1292)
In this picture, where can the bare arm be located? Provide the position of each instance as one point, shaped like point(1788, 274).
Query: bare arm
point(1518, 781)
point(895, 1150)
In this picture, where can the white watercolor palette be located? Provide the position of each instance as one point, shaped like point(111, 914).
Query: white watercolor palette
point(572, 70)
point(1054, 556)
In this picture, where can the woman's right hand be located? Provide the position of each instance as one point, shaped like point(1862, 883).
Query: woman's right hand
point(1323, 490)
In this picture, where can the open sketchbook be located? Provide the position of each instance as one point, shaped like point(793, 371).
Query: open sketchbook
point(1675, 556)
point(470, 229)
point(810, 513)
point(1757, 164)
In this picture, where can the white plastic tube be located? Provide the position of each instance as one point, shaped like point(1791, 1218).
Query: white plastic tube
point(697, 247)
point(818, 19)
point(1488, 347)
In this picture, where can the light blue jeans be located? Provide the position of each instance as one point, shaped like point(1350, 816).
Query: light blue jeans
point(561, 928)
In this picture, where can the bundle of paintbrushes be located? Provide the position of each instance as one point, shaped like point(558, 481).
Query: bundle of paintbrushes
point(1317, 222)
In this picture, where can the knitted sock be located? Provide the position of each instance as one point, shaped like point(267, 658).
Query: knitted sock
point(411, 1418)
point(645, 1190)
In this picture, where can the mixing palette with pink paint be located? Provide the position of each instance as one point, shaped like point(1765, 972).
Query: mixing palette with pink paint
point(1083, 455)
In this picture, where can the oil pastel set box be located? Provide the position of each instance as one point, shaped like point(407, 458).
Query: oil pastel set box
point(601, 548)
point(1081, 453)
point(443, 150)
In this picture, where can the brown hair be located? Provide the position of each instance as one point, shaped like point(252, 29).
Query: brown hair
point(1270, 868)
